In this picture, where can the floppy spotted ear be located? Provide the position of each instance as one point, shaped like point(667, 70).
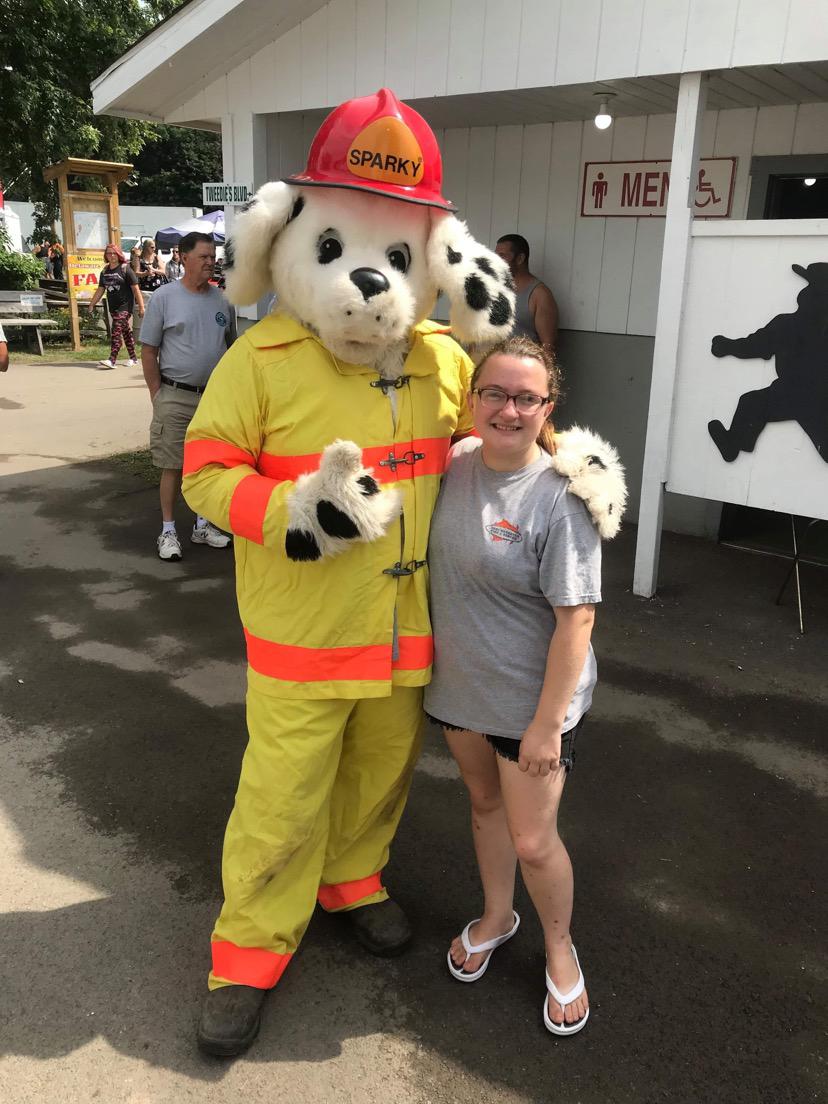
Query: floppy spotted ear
point(476, 281)
point(247, 252)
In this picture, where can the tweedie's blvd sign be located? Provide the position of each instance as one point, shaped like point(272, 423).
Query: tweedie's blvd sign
point(227, 194)
point(639, 189)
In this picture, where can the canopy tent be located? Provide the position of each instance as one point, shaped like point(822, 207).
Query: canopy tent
point(212, 224)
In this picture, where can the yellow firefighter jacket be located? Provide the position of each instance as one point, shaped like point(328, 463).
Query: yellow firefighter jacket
point(352, 625)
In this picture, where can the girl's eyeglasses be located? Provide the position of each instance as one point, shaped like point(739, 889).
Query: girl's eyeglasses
point(496, 399)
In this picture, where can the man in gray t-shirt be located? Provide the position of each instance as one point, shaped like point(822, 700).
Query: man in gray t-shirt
point(186, 331)
point(505, 548)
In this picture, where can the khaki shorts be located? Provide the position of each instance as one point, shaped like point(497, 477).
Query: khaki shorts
point(172, 412)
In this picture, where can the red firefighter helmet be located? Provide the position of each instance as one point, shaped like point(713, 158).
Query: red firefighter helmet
point(377, 144)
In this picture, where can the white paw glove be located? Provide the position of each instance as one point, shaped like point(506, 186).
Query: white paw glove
point(336, 505)
point(595, 474)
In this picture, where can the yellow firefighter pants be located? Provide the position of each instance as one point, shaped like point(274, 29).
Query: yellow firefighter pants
point(322, 789)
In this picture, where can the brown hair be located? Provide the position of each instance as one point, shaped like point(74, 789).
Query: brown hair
point(524, 348)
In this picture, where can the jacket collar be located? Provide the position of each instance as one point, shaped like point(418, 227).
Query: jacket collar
point(281, 329)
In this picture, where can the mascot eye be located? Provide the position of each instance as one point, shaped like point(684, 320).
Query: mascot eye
point(399, 257)
point(329, 247)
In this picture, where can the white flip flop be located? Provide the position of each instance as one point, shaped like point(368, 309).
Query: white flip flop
point(490, 945)
point(563, 999)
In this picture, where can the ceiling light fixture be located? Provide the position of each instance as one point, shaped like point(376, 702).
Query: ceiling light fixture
point(809, 181)
point(603, 119)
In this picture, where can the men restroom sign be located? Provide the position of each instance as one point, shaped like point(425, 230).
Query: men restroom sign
point(639, 189)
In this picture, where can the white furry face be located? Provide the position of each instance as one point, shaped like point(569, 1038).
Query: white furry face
point(353, 267)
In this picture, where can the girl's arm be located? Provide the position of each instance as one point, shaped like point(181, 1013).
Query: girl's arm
point(540, 748)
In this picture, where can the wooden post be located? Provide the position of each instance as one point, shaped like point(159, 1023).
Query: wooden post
point(111, 173)
point(674, 258)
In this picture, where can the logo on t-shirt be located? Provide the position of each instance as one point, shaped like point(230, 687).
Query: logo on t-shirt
point(221, 318)
point(503, 530)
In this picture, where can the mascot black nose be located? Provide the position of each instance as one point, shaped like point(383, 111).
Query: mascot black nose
point(369, 281)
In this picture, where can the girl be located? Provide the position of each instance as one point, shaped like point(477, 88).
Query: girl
point(120, 285)
point(150, 276)
point(515, 566)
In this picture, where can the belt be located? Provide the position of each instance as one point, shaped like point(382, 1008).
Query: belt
point(183, 386)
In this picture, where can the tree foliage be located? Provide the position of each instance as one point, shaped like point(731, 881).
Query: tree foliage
point(172, 166)
point(50, 51)
point(18, 271)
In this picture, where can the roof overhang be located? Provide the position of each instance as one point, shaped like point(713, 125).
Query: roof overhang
point(200, 42)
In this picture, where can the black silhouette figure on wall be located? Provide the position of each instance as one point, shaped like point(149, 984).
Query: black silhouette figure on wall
point(799, 342)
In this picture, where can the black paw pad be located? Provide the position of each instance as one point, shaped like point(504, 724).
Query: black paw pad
point(476, 295)
point(369, 485)
point(501, 311)
point(484, 265)
point(334, 522)
point(245, 207)
point(596, 461)
point(453, 256)
point(301, 546)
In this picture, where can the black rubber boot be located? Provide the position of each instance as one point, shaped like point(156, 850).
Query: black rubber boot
point(383, 928)
point(230, 1019)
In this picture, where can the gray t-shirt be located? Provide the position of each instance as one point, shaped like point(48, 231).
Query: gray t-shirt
point(189, 328)
point(505, 547)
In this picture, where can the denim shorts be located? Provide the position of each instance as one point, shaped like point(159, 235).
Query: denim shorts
point(507, 748)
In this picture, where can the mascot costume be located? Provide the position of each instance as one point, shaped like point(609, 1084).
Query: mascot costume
point(320, 443)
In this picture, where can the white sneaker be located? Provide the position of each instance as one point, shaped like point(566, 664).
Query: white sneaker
point(106, 364)
point(209, 534)
point(169, 546)
point(132, 364)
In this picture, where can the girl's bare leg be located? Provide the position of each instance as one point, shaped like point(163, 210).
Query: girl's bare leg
point(531, 805)
point(496, 858)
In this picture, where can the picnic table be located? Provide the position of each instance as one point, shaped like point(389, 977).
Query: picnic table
point(32, 323)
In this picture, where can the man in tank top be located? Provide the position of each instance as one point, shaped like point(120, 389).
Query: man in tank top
point(536, 312)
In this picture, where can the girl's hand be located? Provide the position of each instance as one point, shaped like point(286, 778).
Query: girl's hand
point(540, 751)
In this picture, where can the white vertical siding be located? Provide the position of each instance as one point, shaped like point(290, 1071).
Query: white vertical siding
point(604, 272)
point(439, 47)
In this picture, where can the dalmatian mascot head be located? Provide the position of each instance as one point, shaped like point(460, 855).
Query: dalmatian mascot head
point(358, 246)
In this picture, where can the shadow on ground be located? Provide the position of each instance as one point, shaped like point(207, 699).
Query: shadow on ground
point(695, 819)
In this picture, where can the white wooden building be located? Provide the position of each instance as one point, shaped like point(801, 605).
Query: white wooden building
point(511, 90)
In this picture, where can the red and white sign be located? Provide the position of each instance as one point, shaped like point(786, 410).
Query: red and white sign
point(639, 189)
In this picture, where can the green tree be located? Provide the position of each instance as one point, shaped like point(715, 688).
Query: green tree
point(172, 166)
point(50, 51)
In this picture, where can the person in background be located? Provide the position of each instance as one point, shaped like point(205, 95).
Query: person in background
point(43, 252)
point(150, 275)
point(4, 352)
point(58, 253)
point(174, 269)
point(123, 293)
point(186, 331)
point(536, 312)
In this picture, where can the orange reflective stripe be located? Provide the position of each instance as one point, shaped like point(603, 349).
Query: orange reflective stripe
point(248, 965)
point(415, 653)
point(198, 454)
point(248, 507)
point(433, 461)
point(293, 663)
point(349, 893)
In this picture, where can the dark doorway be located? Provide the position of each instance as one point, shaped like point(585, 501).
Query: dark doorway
point(798, 196)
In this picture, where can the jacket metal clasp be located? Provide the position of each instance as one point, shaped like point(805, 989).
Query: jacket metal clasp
point(387, 384)
point(410, 457)
point(404, 569)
